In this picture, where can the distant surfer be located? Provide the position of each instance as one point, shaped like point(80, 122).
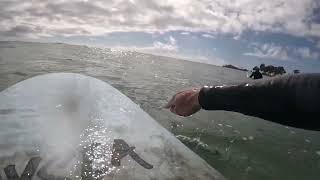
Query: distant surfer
point(256, 74)
point(292, 100)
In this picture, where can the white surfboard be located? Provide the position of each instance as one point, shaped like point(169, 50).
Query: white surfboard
point(70, 126)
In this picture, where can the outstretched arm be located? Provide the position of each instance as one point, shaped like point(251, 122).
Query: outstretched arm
point(290, 100)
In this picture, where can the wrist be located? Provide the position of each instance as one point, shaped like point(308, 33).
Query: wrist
point(196, 98)
point(202, 97)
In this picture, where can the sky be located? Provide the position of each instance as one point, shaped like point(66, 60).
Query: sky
point(244, 33)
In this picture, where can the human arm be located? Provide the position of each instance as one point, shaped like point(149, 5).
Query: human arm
point(289, 100)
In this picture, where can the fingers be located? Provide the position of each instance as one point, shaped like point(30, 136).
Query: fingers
point(170, 103)
point(172, 100)
point(173, 109)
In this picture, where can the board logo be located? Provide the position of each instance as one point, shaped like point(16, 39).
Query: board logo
point(120, 149)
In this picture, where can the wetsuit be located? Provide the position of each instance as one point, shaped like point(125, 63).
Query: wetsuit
point(289, 100)
point(256, 75)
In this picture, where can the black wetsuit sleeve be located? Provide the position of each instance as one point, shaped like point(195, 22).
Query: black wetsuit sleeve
point(292, 100)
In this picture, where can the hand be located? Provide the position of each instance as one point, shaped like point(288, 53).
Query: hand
point(185, 103)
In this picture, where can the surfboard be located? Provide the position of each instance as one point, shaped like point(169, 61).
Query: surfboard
point(71, 126)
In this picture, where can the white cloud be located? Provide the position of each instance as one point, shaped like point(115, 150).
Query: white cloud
point(95, 17)
point(208, 36)
point(171, 49)
point(159, 48)
point(306, 53)
point(163, 47)
point(318, 45)
point(185, 33)
point(269, 51)
point(281, 53)
point(172, 40)
point(237, 37)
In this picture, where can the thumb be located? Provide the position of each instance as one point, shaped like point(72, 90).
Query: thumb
point(170, 103)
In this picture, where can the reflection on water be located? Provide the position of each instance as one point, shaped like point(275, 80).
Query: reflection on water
point(97, 152)
point(240, 147)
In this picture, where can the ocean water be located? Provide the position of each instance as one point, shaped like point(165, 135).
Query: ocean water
point(239, 146)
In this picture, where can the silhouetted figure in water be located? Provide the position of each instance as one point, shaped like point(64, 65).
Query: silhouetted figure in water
point(256, 74)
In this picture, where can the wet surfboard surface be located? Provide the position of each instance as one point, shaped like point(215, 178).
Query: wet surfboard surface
point(71, 126)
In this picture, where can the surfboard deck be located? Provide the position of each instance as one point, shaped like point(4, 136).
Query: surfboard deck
point(71, 126)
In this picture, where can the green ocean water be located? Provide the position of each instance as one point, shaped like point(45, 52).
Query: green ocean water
point(240, 147)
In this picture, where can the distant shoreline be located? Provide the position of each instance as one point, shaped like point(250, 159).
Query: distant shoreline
point(191, 60)
point(230, 66)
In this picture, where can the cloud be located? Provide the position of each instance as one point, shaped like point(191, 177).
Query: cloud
point(268, 51)
point(208, 36)
point(172, 40)
point(170, 48)
point(273, 51)
point(318, 45)
point(21, 31)
point(185, 33)
point(37, 18)
point(160, 48)
point(237, 37)
point(306, 53)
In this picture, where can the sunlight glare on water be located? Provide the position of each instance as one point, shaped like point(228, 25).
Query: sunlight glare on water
point(96, 141)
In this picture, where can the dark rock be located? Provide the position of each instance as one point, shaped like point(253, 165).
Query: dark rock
point(271, 70)
point(296, 71)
